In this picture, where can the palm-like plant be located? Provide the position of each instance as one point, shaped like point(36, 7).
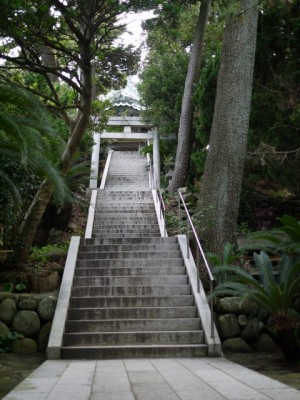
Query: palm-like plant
point(26, 137)
point(275, 294)
point(285, 239)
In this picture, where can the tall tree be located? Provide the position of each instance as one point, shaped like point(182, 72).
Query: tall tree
point(185, 137)
point(72, 44)
point(222, 180)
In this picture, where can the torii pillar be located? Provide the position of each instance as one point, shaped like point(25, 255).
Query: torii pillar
point(156, 157)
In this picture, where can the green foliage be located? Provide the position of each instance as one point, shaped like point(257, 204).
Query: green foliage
point(41, 255)
point(228, 259)
point(276, 295)
point(275, 104)
point(25, 134)
point(7, 339)
point(30, 148)
point(285, 239)
point(10, 287)
point(161, 87)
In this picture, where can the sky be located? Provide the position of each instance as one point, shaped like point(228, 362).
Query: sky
point(135, 34)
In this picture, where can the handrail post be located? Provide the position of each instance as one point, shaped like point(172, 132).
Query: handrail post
point(198, 270)
point(212, 329)
point(165, 228)
point(188, 239)
point(199, 251)
point(179, 213)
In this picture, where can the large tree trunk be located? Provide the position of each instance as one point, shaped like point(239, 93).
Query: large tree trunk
point(34, 214)
point(222, 181)
point(185, 137)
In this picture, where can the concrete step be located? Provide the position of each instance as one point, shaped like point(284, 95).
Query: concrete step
point(133, 301)
point(134, 351)
point(132, 325)
point(135, 271)
point(123, 227)
point(123, 201)
point(120, 222)
point(132, 313)
point(131, 263)
point(159, 290)
point(112, 281)
point(127, 220)
point(124, 213)
point(125, 208)
point(150, 240)
point(125, 193)
point(102, 255)
point(129, 247)
point(124, 235)
point(134, 338)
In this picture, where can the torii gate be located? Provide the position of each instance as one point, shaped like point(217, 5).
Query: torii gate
point(132, 129)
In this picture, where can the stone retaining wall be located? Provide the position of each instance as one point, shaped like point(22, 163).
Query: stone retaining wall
point(29, 315)
point(239, 330)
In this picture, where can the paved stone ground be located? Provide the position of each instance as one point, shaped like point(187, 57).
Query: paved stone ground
point(149, 379)
point(14, 368)
point(272, 365)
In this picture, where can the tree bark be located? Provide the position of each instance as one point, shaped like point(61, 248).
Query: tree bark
point(34, 214)
point(185, 137)
point(223, 174)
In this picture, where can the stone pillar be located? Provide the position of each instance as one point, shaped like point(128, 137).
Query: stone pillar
point(156, 156)
point(95, 162)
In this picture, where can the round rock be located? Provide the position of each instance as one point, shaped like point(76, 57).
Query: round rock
point(8, 309)
point(228, 326)
point(46, 308)
point(236, 305)
point(24, 346)
point(44, 336)
point(251, 331)
point(26, 322)
point(236, 345)
point(265, 343)
point(3, 329)
point(27, 304)
point(242, 320)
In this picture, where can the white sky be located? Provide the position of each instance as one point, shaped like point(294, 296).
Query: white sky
point(135, 33)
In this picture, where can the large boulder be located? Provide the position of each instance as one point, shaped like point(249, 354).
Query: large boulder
point(44, 336)
point(8, 309)
point(8, 295)
point(27, 304)
point(265, 343)
point(296, 304)
point(46, 308)
point(242, 320)
point(228, 326)
point(3, 329)
point(251, 331)
point(236, 305)
point(236, 345)
point(27, 323)
point(24, 346)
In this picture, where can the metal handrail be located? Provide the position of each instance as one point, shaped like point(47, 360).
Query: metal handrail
point(155, 186)
point(198, 250)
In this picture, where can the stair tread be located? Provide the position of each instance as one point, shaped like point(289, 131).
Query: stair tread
point(130, 284)
point(142, 345)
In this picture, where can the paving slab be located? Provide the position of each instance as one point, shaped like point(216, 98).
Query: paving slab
point(149, 379)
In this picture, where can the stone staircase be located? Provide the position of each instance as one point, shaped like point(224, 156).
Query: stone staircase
point(131, 295)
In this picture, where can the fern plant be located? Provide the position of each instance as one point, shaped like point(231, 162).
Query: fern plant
point(285, 239)
point(27, 137)
point(275, 294)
